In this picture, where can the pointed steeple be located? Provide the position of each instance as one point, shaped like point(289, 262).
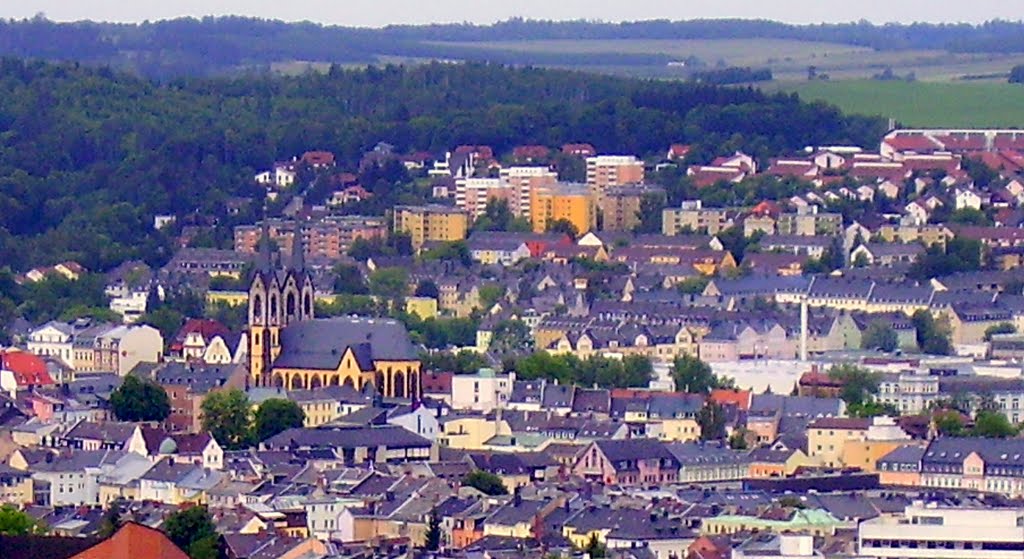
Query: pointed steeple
point(265, 263)
point(298, 252)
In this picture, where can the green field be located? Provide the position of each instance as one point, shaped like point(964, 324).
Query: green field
point(922, 104)
point(788, 59)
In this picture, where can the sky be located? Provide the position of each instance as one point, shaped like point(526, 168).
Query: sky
point(376, 13)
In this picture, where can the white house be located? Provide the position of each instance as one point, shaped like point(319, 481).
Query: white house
point(73, 479)
point(53, 339)
point(966, 198)
point(483, 391)
point(421, 420)
point(323, 514)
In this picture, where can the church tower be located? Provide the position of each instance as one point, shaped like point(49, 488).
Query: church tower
point(277, 298)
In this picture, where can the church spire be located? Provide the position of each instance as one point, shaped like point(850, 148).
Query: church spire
point(298, 251)
point(265, 264)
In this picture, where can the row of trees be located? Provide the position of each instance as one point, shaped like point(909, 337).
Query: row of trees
point(629, 372)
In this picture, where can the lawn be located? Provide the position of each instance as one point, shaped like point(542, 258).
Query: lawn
point(922, 104)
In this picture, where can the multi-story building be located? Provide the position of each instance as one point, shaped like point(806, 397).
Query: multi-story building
point(328, 238)
point(473, 193)
point(621, 206)
point(483, 391)
point(122, 348)
point(605, 171)
point(809, 223)
point(692, 216)
point(521, 182)
point(569, 202)
point(941, 532)
point(431, 223)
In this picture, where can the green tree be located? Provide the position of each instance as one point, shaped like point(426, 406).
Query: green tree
point(693, 286)
point(933, 337)
point(427, 288)
point(993, 425)
point(490, 293)
point(969, 216)
point(485, 482)
point(164, 319)
point(348, 279)
point(711, 419)
point(14, 522)
point(738, 440)
point(1001, 328)
point(949, 423)
point(563, 226)
point(433, 537)
point(693, 376)
point(595, 549)
point(276, 415)
point(879, 335)
point(111, 521)
point(227, 417)
point(456, 251)
point(511, 336)
point(193, 531)
point(140, 400)
point(650, 214)
point(389, 282)
point(859, 384)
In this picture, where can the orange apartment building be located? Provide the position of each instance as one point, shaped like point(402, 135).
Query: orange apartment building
point(329, 238)
point(571, 202)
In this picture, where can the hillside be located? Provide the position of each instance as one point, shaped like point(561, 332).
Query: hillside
point(89, 156)
point(190, 47)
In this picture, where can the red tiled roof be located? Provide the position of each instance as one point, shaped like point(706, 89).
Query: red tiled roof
point(191, 443)
point(912, 142)
point(134, 541)
point(679, 151)
point(318, 158)
point(29, 369)
point(208, 329)
point(739, 398)
point(579, 149)
point(792, 168)
point(707, 176)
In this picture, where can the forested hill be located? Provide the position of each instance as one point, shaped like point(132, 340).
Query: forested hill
point(193, 47)
point(88, 156)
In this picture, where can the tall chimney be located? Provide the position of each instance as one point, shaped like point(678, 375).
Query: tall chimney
point(803, 328)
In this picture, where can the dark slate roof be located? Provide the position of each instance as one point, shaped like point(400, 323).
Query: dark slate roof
point(527, 391)
point(198, 377)
point(633, 449)
point(320, 344)
point(516, 513)
point(700, 454)
point(351, 437)
point(796, 405)
point(591, 400)
point(840, 288)
point(108, 431)
point(167, 470)
point(557, 396)
point(904, 455)
point(674, 406)
point(50, 547)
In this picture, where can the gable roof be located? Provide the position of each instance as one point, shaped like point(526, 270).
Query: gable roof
point(134, 541)
point(321, 344)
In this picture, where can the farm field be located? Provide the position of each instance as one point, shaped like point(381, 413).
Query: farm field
point(921, 104)
point(788, 59)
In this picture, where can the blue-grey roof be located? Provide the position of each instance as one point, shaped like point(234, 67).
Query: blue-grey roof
point(321, 344)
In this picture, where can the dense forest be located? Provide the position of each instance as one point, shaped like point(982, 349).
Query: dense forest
point(193, 47)
point(88, 156)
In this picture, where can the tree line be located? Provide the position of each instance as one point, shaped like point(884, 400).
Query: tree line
point(215, 45)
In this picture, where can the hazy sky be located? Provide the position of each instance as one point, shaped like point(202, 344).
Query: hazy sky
point(382, 12)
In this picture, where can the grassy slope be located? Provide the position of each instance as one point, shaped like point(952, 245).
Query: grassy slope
point(923, 104)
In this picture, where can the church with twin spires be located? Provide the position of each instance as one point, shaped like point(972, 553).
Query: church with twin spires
point(290, 348)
